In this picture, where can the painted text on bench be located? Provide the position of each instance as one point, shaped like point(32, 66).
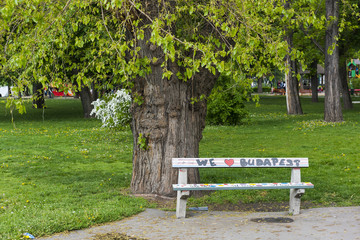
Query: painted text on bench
point(251, 162)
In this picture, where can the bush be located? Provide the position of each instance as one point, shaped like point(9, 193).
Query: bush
point(355, 83)
point(113, 110)
point(226, 103)
point(265, 89)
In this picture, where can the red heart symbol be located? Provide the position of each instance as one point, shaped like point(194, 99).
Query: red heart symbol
point(229, 162)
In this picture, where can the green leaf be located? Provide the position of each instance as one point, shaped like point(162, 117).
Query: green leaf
point(167, 74)
point(86, 19)
point(188, 73)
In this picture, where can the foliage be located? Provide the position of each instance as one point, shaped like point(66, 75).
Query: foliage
point(57, 43)
point(90, 41)
point(226, 103)
point(355, 83)
point(265, 89)
point(143, 142)
point(113, 110)
point(97, 42)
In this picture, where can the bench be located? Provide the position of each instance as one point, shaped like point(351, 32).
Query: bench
point(297, 188)
point(281, 91)
point(305, 91)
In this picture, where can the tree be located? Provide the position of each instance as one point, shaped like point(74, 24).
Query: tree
point(51, 43)
point(168, 123)
point(314, 81)
point(292, 90)
point(38, 95)
point(259, 84)
point(333, 112)
point(168, 53)
point(344, 84)
point(348, 47)
point(293, 103)
point(347, 42)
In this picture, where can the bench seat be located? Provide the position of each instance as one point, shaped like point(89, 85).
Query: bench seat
point(241, 186)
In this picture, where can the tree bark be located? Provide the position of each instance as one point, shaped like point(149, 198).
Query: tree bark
point(292, 85)
point(9, 87)
point(260, 90)
point(314, 82)
point(86, 100)
point(38, 95)
point(344, 86)
point(166, 123)
point(333, 112)
point(94, 92)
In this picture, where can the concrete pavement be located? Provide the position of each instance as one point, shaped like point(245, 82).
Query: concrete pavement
point(316, 223)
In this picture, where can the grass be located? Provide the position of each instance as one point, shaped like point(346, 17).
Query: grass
point(332, 149)
point(62, 172)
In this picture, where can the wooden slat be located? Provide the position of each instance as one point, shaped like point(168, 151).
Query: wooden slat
point(242, 186)
point(240, 162)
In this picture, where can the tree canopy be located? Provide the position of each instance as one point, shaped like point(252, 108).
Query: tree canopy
point(84, 41)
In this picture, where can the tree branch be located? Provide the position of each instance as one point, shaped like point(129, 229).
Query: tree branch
point(106, 28)
point(322, 50)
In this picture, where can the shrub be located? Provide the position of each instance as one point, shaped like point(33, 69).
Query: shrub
point(265, 89)
point(113, 110)
point(226, 103)
point(355, 83)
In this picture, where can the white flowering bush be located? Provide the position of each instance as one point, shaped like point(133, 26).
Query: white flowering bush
point(113, 110)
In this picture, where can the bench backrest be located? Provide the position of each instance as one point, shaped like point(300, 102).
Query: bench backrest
point(240, 162)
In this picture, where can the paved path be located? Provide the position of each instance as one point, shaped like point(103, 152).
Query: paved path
point(316, 223)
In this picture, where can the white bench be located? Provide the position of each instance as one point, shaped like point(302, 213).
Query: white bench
point(297, 188)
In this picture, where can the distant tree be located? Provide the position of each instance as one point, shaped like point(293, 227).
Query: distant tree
point(333, 112)
point(293, 103)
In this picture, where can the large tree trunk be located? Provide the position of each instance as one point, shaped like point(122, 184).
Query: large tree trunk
point(292, 85)
point(38, 95)
point(333, 112)
point(166, 124)
point(86, 100)
point(314, 82)
point(344, 86)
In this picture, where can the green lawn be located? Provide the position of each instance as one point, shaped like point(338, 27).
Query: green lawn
point(61, 172)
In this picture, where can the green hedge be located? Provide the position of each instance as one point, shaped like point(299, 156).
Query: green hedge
point(265, 89)
point(355, 83)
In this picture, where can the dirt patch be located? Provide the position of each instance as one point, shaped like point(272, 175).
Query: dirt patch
point(115, 236)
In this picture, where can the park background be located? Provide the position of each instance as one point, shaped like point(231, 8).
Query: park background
point(62, 172)
point(187, 65)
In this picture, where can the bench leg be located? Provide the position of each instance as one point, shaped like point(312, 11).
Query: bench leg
point(295, 194)
point(295, 200)
point(181, 203)
point(182, 195)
